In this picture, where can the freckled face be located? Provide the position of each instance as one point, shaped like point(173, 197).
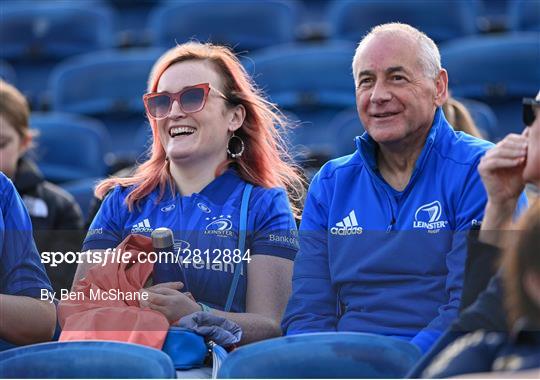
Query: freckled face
point(208, 128)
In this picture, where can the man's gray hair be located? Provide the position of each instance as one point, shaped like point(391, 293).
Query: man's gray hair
point(429, 55)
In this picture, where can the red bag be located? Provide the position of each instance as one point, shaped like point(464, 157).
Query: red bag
point(96, 315)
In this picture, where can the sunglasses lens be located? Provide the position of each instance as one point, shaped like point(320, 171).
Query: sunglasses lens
point(528, 114)
point(159, 106)
point(192, 100)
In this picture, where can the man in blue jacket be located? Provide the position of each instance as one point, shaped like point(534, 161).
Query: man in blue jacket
point(383, 233)
point(26, 316)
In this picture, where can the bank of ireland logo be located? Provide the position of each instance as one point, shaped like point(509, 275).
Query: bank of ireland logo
point(348, 226)
point(220, 226)
point(428, 217)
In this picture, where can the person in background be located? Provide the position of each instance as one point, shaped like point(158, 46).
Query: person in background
point(505, 170)
point(459, 117)
point(383, 233)
point(488, 352)
point(56, 217)
point(213, 133)
point(24, 317)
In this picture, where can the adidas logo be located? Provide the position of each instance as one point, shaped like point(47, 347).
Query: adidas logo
point(143, 226)
point(348, 226)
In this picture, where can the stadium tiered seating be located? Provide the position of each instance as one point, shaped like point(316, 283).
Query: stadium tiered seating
point(109, 86)
point(239, 24)
point(497, 70)
point(35, 35)
point(70, 147)
point(312, 81)
point(322, 356)
point(442, 20)
point(90, 359)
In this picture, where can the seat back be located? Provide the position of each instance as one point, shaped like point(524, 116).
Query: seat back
point(243, 25)
point(496, 70)
point(89, 359)
point(70, 147)
point(313, 82)
point(322, 355)
point(35, 35)
point(441, 20)
point(109, 86)
point(524, 15)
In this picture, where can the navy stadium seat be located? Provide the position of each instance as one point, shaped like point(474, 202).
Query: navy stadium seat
point(36, 35)
point(322, 355)
point(83, 192)
point(346, 125)
point(441, 20)
point(70, 147)
point(90, 359)
point(524, 15)
point(239, 24)
point(313, 81)
point(496, 70)
point(109, 86)
point(483, 117)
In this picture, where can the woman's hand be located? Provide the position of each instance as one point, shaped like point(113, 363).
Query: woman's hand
point(168, 300)
point(502, 167)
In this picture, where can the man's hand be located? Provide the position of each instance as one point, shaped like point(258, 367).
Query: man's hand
point(501, 170)
point(502, 167)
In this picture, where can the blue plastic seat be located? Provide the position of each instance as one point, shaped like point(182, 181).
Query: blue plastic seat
point(239, 24)
point(496, 70)
point(524, 15)
point(322, 355)
point(109, 86)
point(313, 81)
point(483, 116)
point(441, 20)
point(346, 125)
point(7, 72)
point(90, 359)
point(35, 35)
point(83, 192)
point(70, 147)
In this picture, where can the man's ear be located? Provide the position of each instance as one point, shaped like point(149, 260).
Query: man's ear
point(236, 117)
point(441, 88)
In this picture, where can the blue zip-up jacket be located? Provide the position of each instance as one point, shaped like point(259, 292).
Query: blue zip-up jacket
point(373, 259)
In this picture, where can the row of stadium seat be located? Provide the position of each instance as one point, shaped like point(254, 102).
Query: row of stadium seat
point(245, 24)
point(108, 85)
point(33, 33)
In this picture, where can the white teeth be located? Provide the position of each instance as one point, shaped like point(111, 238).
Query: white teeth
point(181, 130)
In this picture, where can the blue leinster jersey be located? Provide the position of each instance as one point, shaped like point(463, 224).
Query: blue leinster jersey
point(205, 227)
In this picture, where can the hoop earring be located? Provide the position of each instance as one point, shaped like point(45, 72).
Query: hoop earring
point(242, 146)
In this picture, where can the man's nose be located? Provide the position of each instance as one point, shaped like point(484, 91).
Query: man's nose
point(380, 93)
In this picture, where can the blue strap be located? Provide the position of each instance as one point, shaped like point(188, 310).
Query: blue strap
point(241, 244)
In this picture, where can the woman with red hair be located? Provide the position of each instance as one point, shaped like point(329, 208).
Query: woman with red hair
point(213, 133)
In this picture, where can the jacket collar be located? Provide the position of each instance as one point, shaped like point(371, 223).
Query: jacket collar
point(28, 176)
point(367, 147)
